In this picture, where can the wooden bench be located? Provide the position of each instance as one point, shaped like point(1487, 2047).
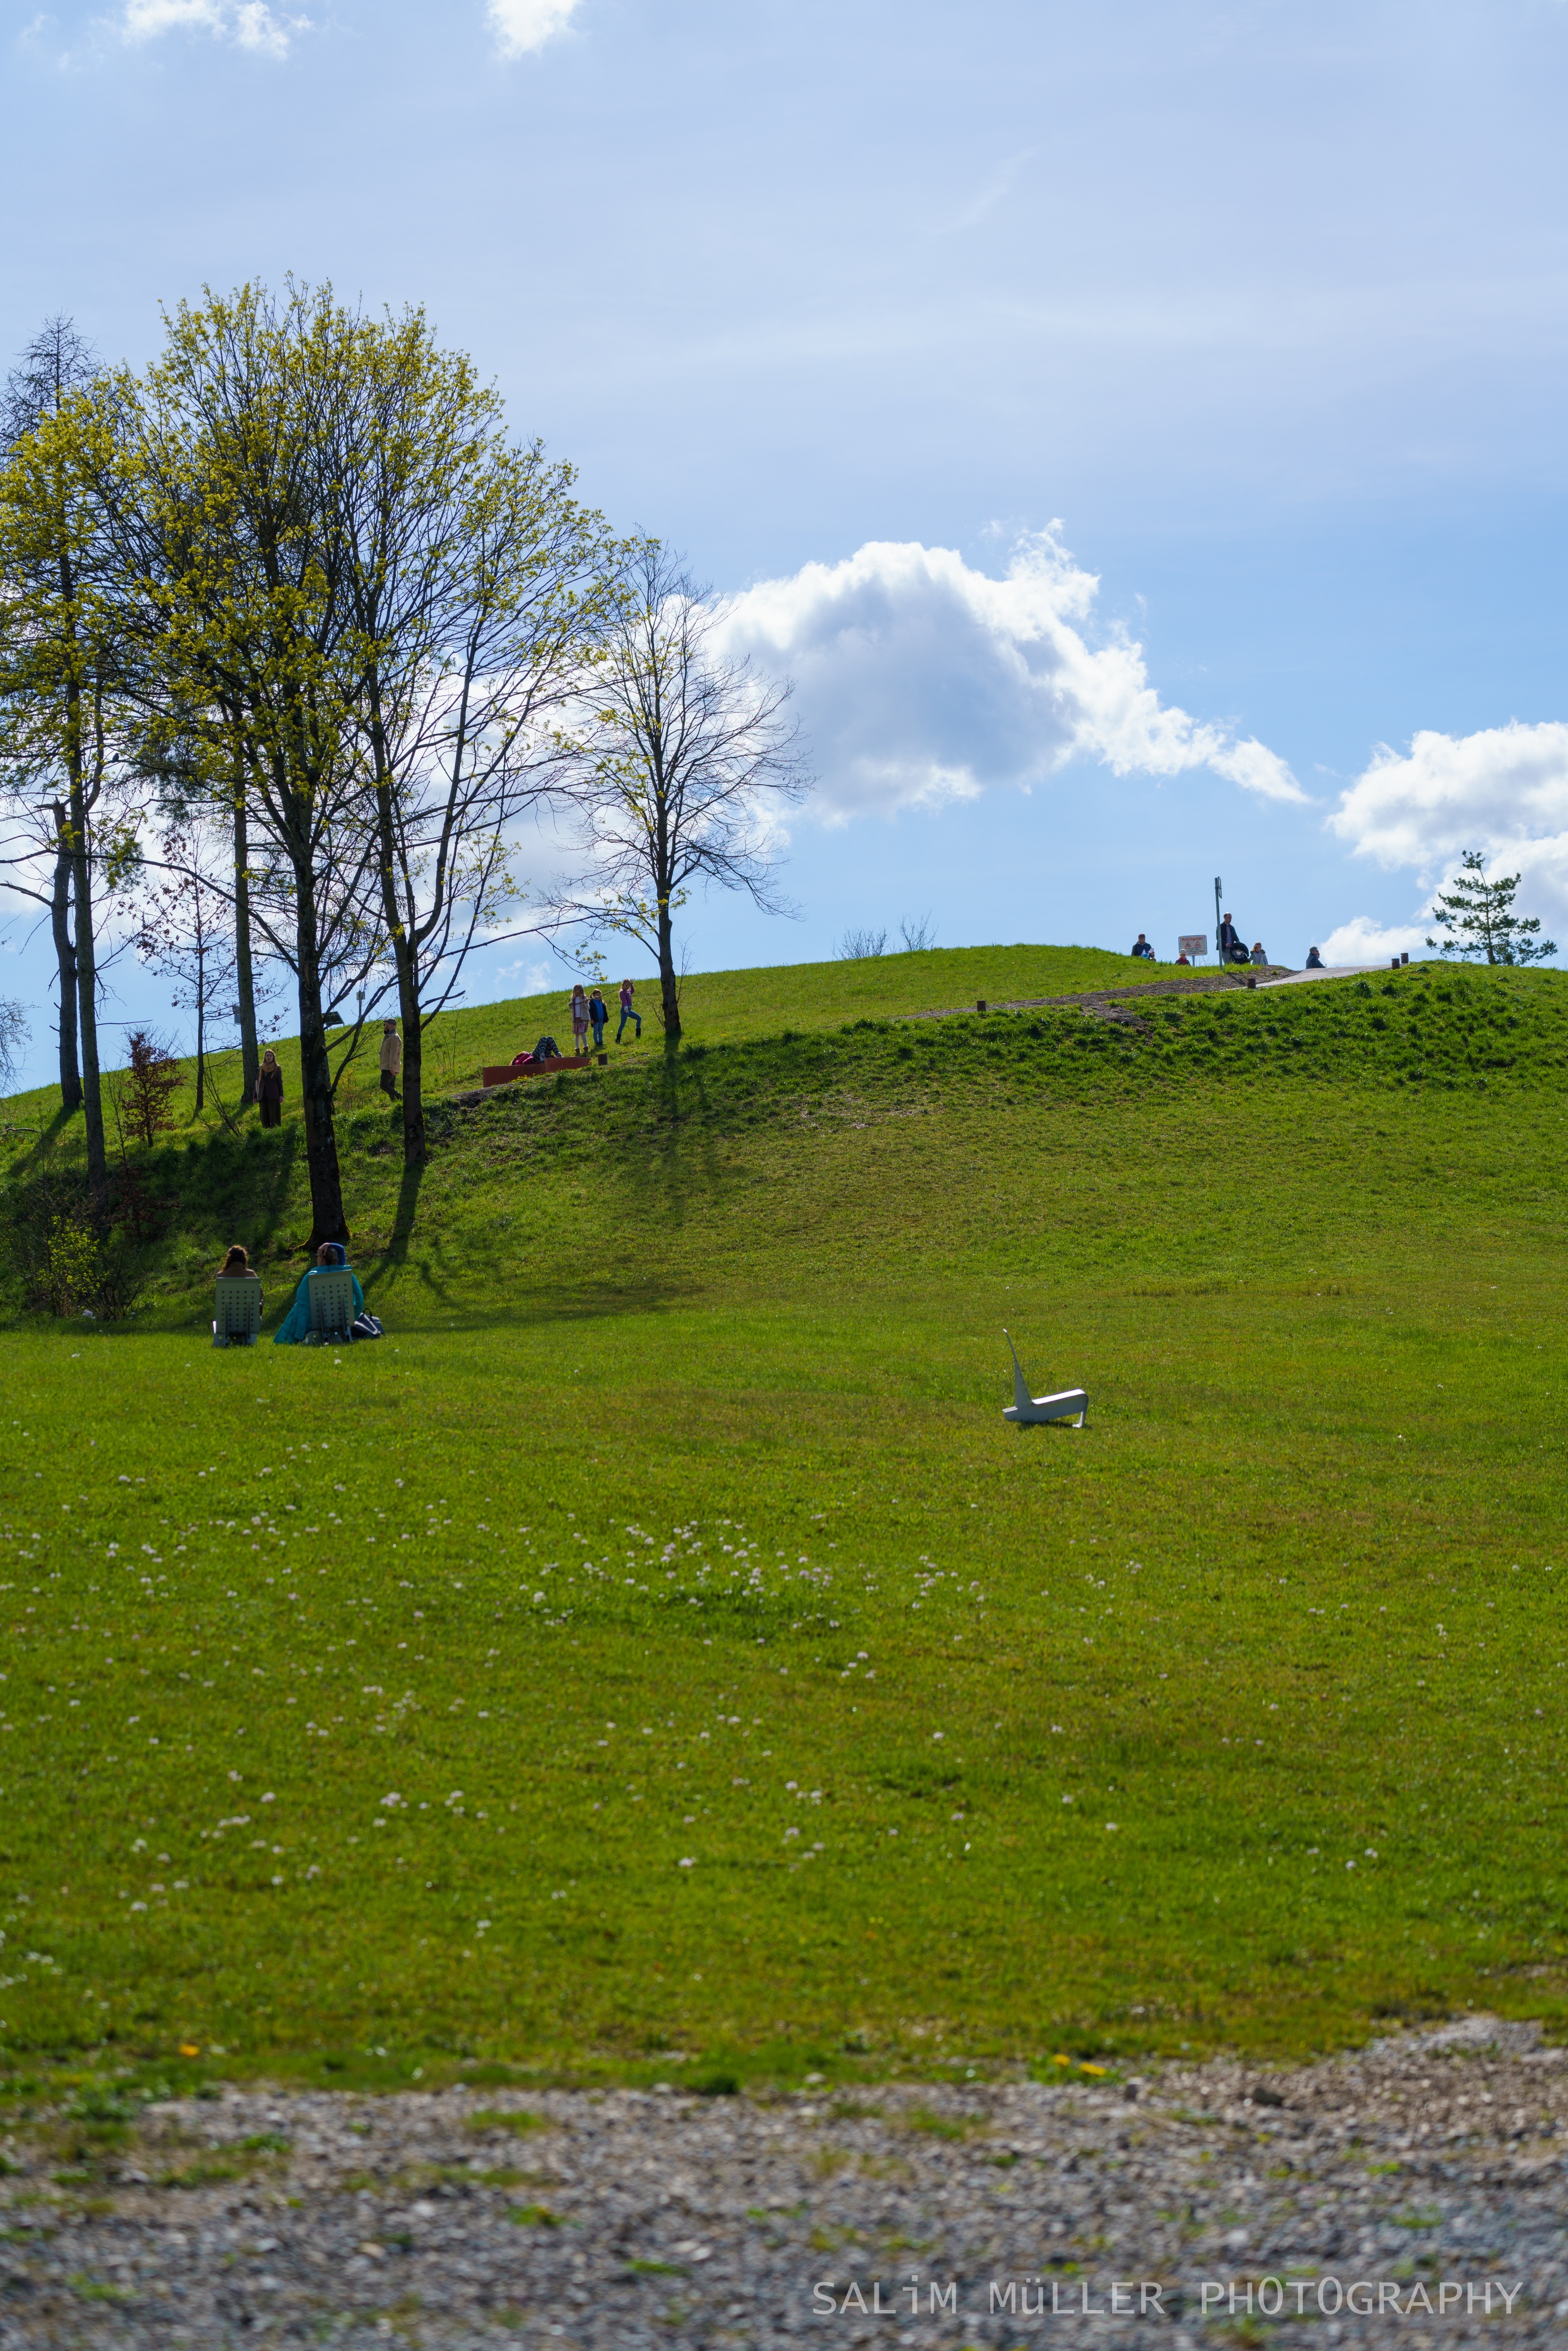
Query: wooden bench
point(503, 1077)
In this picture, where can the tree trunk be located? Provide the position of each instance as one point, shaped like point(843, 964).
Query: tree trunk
point(669, 992)
point(328, 1222)
point(245, 980)
point(201, 1030)
point(66, 954)
point(87, 985)
point(405, 963)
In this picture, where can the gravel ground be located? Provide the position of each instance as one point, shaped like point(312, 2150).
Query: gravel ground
point(1429, 2169)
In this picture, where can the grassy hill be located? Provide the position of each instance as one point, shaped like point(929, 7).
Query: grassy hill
point(659, 1651)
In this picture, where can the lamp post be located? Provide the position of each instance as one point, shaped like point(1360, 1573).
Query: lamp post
point(1218, 891)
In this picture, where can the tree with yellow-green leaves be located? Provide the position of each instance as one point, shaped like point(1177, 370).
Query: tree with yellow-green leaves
point(220, 507)
point(71, 687)
point(346, 607)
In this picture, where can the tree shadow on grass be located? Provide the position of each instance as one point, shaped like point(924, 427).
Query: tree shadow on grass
point(395, 1254)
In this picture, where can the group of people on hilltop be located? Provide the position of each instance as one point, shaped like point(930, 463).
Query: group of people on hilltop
point(1233, 948)
point(591, 1011)
point(586, 1010)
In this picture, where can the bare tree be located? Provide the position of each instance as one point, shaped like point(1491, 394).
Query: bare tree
point(862, 945)
point(918, 935)
point(186, 932)
point(14, 1038)
point(477, 583)
point(676, 768)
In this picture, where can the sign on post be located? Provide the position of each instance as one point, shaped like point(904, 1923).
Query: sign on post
point(1191, 944)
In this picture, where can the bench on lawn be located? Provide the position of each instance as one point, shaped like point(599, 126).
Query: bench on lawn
point(1026, 1411)
point(237, 1322)
point(532, 1069)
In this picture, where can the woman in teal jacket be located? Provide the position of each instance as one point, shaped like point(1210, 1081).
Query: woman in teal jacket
point(296, 1325)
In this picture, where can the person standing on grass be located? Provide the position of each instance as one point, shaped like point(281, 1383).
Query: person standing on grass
point(628, 1009)
point(598, 1013)
point(391, 1059)
point(269, 1089)
point(578, 1020)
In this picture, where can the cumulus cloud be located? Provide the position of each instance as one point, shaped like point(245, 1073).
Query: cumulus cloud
point(922, 681)
point(250, 24)
point(520, 25)
point(1364, 939)
point(1503, 790)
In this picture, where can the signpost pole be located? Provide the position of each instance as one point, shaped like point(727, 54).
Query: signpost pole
point(1219, 887)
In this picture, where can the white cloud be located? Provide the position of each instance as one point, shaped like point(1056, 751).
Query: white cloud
point(1364, 939)
point(250, 24)
point(1503, 790)
point(520, 25)
point(921, 681)
point(535, 976)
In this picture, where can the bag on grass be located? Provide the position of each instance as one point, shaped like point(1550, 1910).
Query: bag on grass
point(366, 1326)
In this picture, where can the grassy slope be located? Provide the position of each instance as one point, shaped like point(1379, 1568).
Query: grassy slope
point(721, 1007)
point(1292, 1603)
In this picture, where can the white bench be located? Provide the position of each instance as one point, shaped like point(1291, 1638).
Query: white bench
point(1026, 1411)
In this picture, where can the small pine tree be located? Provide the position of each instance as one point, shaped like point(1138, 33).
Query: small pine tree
point(1478, 916)
point(150, 1081)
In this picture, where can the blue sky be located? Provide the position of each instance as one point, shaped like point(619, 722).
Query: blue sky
point(1261, 307)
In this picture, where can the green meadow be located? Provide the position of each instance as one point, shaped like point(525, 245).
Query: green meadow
point(657, 1658)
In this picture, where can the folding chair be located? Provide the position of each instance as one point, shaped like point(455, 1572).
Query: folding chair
point(1067, 1403)
point(237, 1319)
point(332, 1308)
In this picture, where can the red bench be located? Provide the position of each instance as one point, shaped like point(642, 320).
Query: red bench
point(503, 1077)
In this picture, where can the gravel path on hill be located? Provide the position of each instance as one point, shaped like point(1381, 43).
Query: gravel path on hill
point(1433, 2167)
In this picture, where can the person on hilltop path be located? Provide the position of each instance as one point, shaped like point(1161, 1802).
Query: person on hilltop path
point(1141, 947)
point(598, 1013)
point(269, 1089)
point(1314, 960)
point(1232, 945)
point(1260, 960)
point(391, 1059)
point(579, 1019)
point(628, 1009)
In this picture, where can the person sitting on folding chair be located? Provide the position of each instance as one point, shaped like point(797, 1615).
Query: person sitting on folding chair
point(237, 1267)
point(330, 1257)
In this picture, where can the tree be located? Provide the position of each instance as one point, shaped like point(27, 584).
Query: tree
point(1479, 919)
point(187, 932)
point(224, 515)
point(13, 1036)
point(476, 583)
point(678, 759)
point(153, 1076)
point(63, 679)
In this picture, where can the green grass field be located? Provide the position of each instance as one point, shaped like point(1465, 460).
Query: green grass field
point(658, 1653)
